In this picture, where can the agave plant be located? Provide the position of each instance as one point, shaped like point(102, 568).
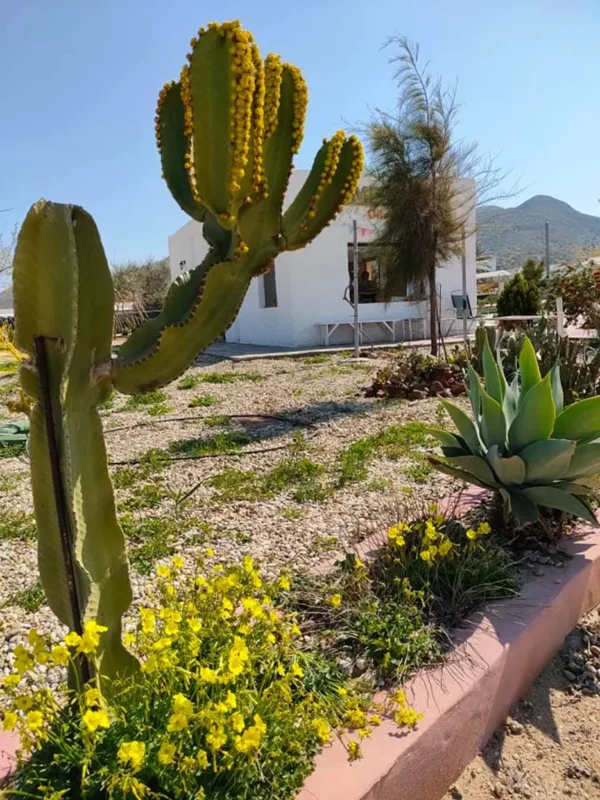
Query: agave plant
point(522, 443)
point(227, 133)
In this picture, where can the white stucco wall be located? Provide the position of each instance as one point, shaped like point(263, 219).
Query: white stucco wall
point(311, 283)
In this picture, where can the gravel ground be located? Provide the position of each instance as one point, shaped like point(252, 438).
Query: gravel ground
point(324, 401)
point(549, 749)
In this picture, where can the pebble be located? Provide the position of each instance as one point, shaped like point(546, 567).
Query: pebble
point(569, 675)
point(514, 726)
point(456, 792)
point(595, 650)
point(538, 572)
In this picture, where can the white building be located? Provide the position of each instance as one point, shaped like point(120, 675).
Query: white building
point(301, 302)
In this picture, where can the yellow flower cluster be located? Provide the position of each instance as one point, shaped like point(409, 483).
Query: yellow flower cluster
point(358, 165)
point(482, 530)
point(224, 689)
point(405, 716)
point(332, 160)
point(300, 105)
point(425, 540)
point(158, 115)
point(273, 77)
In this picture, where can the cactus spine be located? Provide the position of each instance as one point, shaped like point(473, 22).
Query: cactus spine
point(227, 132)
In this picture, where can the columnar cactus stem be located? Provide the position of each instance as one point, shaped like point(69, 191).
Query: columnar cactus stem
point(227, 134)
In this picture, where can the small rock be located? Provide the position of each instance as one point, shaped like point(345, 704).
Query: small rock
point(498, 790)
point(578, 658)
point(538, 572)
point(514, 727)
point(544, 560)
point(569, 675)
point(417, 394)
point(359, 667)
point(456, 792)
point(595, 650)
point(572, 666)
point(559, 564)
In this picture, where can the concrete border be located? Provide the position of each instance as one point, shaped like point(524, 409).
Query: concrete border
point(498, 655)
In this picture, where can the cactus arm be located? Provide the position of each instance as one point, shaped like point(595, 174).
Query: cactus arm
point(173, 146)
point(331, 184)
point(285, 109)
point(209, 311)
point(68, 339)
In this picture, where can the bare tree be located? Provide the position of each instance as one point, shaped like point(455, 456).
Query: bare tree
point(7, 251)
point(416, 163)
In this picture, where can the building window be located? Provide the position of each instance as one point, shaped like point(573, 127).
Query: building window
point(371, 278)
point(268, 289)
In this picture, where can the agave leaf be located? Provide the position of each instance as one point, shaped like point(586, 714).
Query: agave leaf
point(557, 389)
point(448, 439)
point(476, 465)
point(535, 417)
point(474, 391)
point(491, 373)
point(524, 509)
point(579, 487)
point(585, 461)
point(528, 368)
point(547, 460)
point(551, 497)
point(447, 469)
point(493, 422)
point(510, 470)
point(579, 421)
point(465, 426)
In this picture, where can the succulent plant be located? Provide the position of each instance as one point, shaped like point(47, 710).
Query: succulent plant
point(227, 133)
point(522, 443)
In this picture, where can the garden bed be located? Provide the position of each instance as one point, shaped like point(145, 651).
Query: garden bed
point(498, 653)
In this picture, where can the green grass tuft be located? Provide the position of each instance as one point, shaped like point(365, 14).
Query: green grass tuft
point(188, 382)
point(227, 442)
point(30, 599)
point(16, 527)
point(137, 401)
point(237, 484)
point(218, 421)
point(319, 358)
point(203, 401)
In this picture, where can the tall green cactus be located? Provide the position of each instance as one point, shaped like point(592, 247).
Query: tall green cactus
point(227, 134)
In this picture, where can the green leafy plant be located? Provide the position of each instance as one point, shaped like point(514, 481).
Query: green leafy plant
point(188, 382)
point(522, 443)
point(146, 399)
point(227, 133)
point(519, 298)
point(30, 599)
point(415, 375)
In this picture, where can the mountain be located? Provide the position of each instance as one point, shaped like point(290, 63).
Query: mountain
point(514, 234)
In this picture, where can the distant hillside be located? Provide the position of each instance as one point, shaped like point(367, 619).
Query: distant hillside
point(6, 298)
point(514, 234)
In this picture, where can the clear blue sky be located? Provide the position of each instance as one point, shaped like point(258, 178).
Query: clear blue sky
point(80, 79)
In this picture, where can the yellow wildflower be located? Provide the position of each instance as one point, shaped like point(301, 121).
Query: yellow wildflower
point(90, 639)
point(166, 754)
point(284, 583)
point(430, 532)
point(226, 604)
point(11, 681)
point(178, 722)
point(356, 719)
point(181, 705)
point(163, 571)
point(150, 665)
point(433, 550)
point(171, 628)
point(202, 759)
point(335, 601)
point(210, 552)
point(322, 729)
point(162, 643)
point(208, 675)
point(128, 638)
point(445, 547)
point(231, 701)
point(407, 717)
point(178, 562)
point(375, 720)
point(426, 556)
point(148, 620)
point(34, 720)
point(237, 722)
point(72, 639)
point(216, 739)
point(354, 751)
point(250, 739)
point(96, 719)
point(194, 624)
point(93, 697)
point(297, 670)
point(10, 721)
point(252, 605)
point(471, 534)
point(132, 754)
point(24, 703)
point(484, 528)
point(295, 630)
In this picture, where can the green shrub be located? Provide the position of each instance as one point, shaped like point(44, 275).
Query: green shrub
point(203, 401)
point(519, 298)
point(135, 401)
point(188, 382)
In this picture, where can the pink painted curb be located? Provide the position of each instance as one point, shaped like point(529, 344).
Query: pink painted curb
point(497, 657)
